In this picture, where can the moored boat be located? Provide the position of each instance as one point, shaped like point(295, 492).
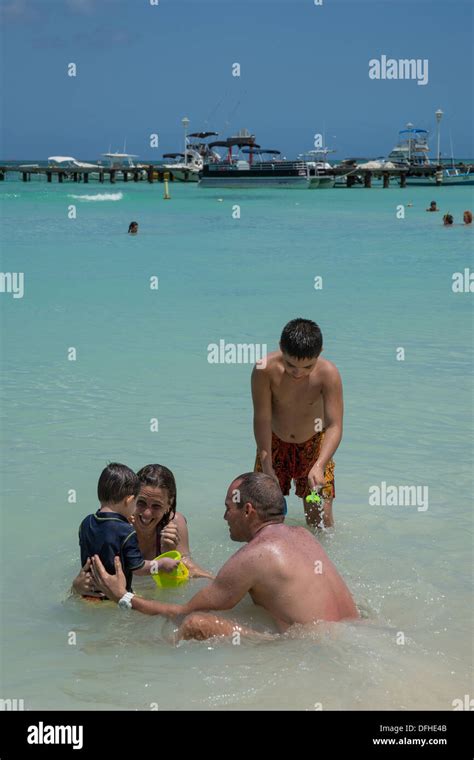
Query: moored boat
point(252, 171)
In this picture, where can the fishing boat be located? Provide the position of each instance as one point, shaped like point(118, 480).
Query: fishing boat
point(185, 167)
point(318, 168)
point(252, 168)
point(122, 162)
point(412, 153)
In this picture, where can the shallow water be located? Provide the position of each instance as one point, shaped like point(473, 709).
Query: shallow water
point(142, 354)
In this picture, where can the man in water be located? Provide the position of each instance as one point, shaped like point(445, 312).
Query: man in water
point(285, 570)
point(433, 206)
point(133, 228)
point(298, 408)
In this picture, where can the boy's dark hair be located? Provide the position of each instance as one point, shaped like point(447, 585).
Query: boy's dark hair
point(263, 492)
point(116, 482)
point(159, 476)
point(302, 339)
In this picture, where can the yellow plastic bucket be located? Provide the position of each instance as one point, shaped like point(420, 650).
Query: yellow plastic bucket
point(177, 576)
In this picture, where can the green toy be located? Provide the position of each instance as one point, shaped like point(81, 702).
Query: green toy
point(313, 498)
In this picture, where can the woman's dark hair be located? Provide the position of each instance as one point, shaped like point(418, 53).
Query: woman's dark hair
point(302, 339)
point(159, 476)
point(116, 482)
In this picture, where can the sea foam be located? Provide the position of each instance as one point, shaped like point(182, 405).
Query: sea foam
point(99, 197)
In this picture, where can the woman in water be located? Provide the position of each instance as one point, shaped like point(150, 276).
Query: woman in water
point(159, 527)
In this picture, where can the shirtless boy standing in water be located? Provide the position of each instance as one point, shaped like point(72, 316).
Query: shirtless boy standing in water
point(298, 408)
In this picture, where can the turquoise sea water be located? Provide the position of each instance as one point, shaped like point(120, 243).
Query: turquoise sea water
point(142, 354)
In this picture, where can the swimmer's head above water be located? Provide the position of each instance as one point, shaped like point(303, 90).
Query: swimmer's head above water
point(133, 228)
point(301, 344)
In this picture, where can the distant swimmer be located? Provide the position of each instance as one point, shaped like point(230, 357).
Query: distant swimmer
point(133, 228)
point(284, 569)
point(448, 220)
point(467, 217)
point(433, 206)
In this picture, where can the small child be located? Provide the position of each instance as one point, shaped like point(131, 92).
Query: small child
point(109, 533)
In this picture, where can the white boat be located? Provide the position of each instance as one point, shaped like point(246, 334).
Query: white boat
point(68, 162)
point(122, 162)
point(412, 152)
point(452, 175)
point(186, 167)
point(318, 168)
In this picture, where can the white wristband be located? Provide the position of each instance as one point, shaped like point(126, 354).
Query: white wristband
point(125, 603)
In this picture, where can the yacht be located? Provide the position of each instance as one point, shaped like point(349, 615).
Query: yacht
point(412, 152)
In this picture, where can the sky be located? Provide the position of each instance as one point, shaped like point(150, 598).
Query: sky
point(304, 70)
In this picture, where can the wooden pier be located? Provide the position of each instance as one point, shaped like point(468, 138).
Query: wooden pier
point(356, 175)
point(353, 174)
point(150, 173)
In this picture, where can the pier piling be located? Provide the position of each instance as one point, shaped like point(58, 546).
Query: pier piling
point(386, 179)
point(403, 180)
point(368, 179)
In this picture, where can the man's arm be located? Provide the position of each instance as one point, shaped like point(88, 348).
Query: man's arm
point(231, 584)
point(262, 417)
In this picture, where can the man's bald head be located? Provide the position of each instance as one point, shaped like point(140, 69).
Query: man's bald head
point(262, 491)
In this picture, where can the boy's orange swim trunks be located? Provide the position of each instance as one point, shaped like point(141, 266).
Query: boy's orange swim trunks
point(293, 461)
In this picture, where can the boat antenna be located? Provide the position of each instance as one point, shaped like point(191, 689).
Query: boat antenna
point(452, 151)
point(212, 113)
